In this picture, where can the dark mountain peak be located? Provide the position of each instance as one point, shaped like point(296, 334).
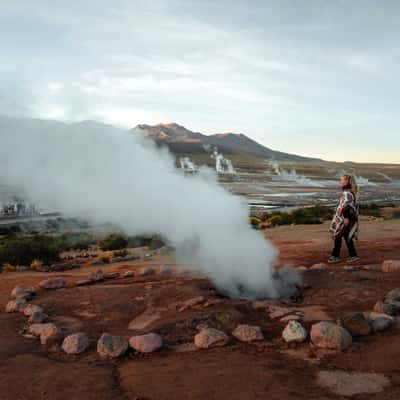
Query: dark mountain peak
point(167, 132)
point(180, 140)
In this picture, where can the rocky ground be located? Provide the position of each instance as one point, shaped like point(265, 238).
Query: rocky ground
point(205, 346)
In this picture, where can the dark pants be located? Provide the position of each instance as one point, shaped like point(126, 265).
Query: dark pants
point(349, 243)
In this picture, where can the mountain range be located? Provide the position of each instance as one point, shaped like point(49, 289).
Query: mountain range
point(182, 141)
point(177, 138)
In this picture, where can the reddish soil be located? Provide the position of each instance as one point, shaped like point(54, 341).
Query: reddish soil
point(266, 370)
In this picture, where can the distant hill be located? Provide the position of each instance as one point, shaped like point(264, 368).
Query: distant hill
point(179, 139)
point(183, 141)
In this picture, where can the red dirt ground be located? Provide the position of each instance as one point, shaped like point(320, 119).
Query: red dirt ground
point(266, 370)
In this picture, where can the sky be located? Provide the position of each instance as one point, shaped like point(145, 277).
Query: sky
point(311, 77)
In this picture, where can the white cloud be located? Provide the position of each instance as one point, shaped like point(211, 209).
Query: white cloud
point(276, 71)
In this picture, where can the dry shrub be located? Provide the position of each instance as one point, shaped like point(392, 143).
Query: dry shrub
point(36, 264)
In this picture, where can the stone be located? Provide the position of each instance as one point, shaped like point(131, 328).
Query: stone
point(356, 324)
point(146, 343)
point(191, 303)
point(276, 312)
point(147, 271)
point(393, 295)
point(52, 283)
point(31, 308)
point(96, 276)
point(248, 333)
point(84, 282)
point(391, 266)
point(144, 320)
point(319, 266)
point(62, 267)
point(328, 335)
point(349, 384)
point(24, 292)
point(38, 317)
point(294, 332)
point(17, 305)
point(48, 332)
point(111, 346)
point(209, 338)
point(379, 322)
point(112, 275)
point(128, 274)
point(76, 343)
point(391, 307)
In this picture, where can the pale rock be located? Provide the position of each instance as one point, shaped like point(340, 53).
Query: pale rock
point(47, 332)
point(210, 337)
point(294, 332)
point(76, 343)
point(379, 322)
point(319, 267)
point(17, 305)
point(25, 292)
point(191, 303)
point(328, 335)
point(248, 333)
point(111, 346)
point(52, 283)
point(146, 343)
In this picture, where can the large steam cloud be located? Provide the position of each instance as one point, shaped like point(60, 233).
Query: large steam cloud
point(108, 175)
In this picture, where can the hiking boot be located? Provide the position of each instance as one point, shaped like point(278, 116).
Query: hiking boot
point(334, 260)
point(352, 259)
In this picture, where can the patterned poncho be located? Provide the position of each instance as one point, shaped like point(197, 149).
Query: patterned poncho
point(346, 207)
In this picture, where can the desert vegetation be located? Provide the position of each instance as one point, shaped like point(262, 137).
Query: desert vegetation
point(40, 249)
point(317, 215)
point(23, 250)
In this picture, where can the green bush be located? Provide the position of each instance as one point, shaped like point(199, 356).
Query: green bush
point(152, 241)
point(114, 241)
point(9, 230)
point(309, 215)
point(75, 241)
point(22, 250)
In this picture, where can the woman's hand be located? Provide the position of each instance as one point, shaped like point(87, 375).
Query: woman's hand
point(346, 221)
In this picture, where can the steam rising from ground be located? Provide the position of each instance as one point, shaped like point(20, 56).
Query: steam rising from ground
point(107, 175)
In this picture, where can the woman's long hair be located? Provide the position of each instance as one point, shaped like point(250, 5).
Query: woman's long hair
point(352, 185)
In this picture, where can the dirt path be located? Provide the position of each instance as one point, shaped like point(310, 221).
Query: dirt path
point(267, 370)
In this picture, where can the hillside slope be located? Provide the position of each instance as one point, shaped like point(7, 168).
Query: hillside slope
point(183, 141)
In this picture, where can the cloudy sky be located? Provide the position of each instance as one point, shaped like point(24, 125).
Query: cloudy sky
point(313, 77)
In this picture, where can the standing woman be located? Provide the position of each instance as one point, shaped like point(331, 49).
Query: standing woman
point(345, 221)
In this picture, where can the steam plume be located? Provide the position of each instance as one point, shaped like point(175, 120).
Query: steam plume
point(107, 175)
